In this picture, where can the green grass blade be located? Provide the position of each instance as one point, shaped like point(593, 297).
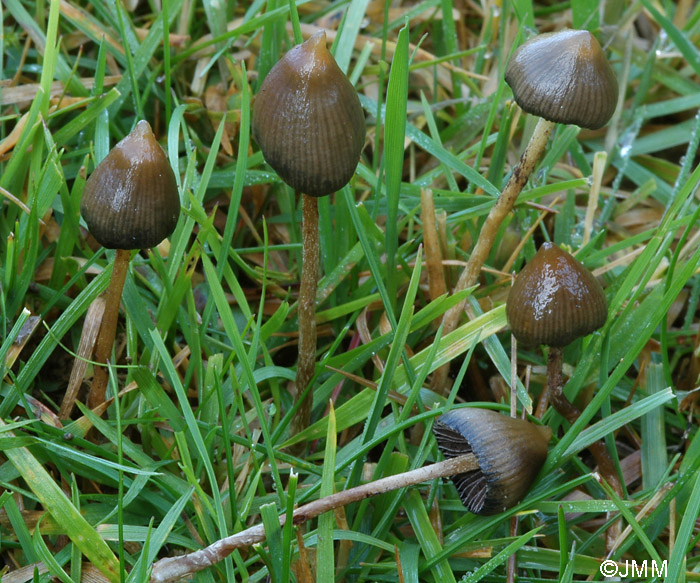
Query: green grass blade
point(677, 560)
point(325, 568)
point(394, 134)
point(418, 516)
point(585, 14)
point(347, 34)
point(52, 498)
point(501, 557)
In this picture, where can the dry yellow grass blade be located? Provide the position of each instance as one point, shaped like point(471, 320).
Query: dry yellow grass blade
point(24, 94)
point(91, 327)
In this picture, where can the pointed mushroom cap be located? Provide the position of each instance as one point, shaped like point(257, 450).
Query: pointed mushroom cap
point(130, 201)
point(308, 121)
point(564, 77)
point(510, 453)
point(555, 300)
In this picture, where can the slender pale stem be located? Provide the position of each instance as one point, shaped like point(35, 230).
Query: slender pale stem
point(566, 409)
point(307, 311)
point(504, 204)
point(108, 327)
point(171, 569)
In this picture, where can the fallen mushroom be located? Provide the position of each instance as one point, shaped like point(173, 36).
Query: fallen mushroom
point(130, 201)
point(309, 124)
point(510, 452)
point(493, 460)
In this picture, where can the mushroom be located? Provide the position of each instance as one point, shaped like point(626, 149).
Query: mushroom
point(555, 300)
point(308, 120)
point(309, 124)
point(563, 77)
point(493, 459)
point(130, 201)
point(510, 452)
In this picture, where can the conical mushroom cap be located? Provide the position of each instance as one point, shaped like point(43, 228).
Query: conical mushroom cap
point(130, 201)
point(308, 120)
point(564, 77)
point(510, 453)
point(555, 300)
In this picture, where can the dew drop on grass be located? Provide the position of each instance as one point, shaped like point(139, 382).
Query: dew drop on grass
point(626, 141)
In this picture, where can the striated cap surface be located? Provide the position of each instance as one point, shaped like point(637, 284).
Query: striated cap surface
point(510, 453)
point(130, 201)
point(308, 121)
point(555, 299)
point(564, 77)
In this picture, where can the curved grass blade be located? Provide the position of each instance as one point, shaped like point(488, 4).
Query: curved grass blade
point(79, 530)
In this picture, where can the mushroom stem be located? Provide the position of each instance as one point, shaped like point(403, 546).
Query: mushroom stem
point(555, 382)
point(174, 568)
point(503, 205)
point(566, 409)
point(108, 327)
point(307, 312)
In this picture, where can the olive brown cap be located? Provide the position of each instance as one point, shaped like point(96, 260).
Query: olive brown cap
point(555, 299)
point(130, 201)
point(564, 77)
point(308, 120)
point(510, 453)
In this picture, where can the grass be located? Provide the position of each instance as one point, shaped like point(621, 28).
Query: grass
point(195, 446)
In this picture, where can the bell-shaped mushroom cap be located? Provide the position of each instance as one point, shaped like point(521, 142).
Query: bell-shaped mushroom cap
point(130, 201)
point(564, 77)
point(308, 120)
point(555, 300)
point(510, 453)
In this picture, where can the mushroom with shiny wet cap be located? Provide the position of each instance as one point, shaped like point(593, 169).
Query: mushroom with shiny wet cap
point(555, 300)
point(563, 77)
point(130, 201)
point(309, 124)
point(492, 458)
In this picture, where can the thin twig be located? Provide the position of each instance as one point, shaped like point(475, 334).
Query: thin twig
point(173, 568)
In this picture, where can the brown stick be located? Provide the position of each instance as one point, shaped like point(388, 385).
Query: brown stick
point(600, 452)
point(108, 328)
point(311, 254)
point(504, 204)
point(433, 254)
point(173, 568)
point(86, 348)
